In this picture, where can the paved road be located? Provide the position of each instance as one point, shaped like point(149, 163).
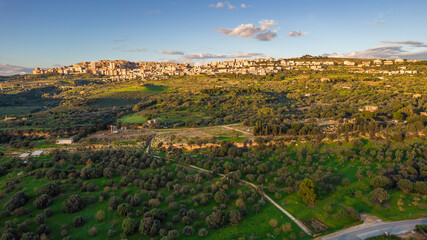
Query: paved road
point(364, 231)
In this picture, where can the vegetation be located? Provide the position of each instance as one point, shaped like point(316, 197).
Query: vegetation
point(326, 146)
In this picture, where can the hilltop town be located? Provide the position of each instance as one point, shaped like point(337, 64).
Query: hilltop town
point(129, 70)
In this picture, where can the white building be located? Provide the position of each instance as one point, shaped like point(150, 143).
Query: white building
point(64, 141)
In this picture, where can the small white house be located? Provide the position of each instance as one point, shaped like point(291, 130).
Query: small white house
point(24, 155)
point(37, 153)
point(64, 141)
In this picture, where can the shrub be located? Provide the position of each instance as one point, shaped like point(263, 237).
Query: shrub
point(154, 202)
point(405, 185)
point(420, 187)
point(111, 233)
point(40, 219)
point(48, 212)
point(51, 189)
point(203, 232)
point(379, 195)
point(78, 221)
point(73, 204)
point(307, 191)
point(188, 231)
point(235, 216)
point(129, 226)
point(273, 223)
point(42, 201)
point(173, 234)
point(113, 203)
point(149, 226)
point(124, 209)
point(380, 182)
point(18, 200)
point(220, 197)
point(100, 215)
point(93, 231)
point(43, 229)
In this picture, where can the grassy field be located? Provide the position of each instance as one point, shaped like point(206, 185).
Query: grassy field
point(133, 119)
point(256, 225)
point(19, 110)
point(146, 89)
point(264, 230)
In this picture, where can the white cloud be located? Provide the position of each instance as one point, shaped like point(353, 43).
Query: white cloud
point(222, 4)
point(408, 42)
point(6, 70)
point(266, 36)
point(245, 55)
point(243, 5)
point(202, 56)
point(261, 33)
point(296, 34)
point(385, 51)
point(171, 52)
point(197, 56)
point(136, 50)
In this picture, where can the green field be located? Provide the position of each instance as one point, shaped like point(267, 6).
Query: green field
point(133, 119)
point(146, 89)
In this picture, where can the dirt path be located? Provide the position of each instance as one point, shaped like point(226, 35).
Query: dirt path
point(296, 221)
point(229, 127)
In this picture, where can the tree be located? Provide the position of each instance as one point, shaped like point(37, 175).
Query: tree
point(420, 187)
point(188, 231)
point(73, 204)
point(186, 220)
point(154, 202)
point(43, 201)
point(40, 219)
point(357, 143)
point(129, 226)
point(346, 182)
point(123, 209)
point(240, 204)
point(273, 223)
point(216, 220)
point(93, 231)
point(220, 197)
point(379, 195)
point(287, 227)
point(100, 215)
point(398, 116)
point(51, 189)
point(235, 216)
point(78, 221)
point(405, 185)
point(203, 232)
point(149, 226)
point(113, 203)
point(18, 200)
point(306, 191)
point(173, 234)
point(380, 182)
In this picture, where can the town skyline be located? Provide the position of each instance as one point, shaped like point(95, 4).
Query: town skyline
point(44, 35)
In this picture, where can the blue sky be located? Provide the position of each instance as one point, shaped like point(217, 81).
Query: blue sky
point(47, 33)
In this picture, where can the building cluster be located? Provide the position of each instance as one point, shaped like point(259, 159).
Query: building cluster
point(128, 70)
